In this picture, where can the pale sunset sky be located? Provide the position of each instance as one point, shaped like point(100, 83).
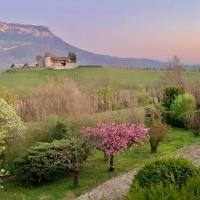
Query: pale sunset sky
point(156, 29)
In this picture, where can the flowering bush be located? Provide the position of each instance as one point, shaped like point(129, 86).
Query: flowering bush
point(10, 127)
point(117, 137)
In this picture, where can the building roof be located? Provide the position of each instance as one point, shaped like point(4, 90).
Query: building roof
point(59, 58)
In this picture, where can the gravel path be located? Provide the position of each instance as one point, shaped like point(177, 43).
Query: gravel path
point(117, 187)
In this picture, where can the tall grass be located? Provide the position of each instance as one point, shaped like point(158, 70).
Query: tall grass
point(61, 97)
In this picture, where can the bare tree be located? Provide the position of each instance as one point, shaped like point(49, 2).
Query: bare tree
point(175, 73)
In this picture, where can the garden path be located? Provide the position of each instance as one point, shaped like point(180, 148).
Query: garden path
point(117, 187)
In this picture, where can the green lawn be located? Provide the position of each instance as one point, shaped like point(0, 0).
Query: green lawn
point(95, 171)
point(91, 78)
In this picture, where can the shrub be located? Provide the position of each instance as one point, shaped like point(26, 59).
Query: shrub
point(11, 127)
point(153, 114)
point(193, 122)
point(170, 94)
point(167, 171)
point(46, 161)
point(180, 108)
point(161, 192)
point(143, 98)
point(157, 133)
point(57, 128)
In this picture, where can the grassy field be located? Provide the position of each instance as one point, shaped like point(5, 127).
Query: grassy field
point(22, 80)
point(96, 171)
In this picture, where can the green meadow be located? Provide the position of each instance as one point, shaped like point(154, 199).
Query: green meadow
point(20, 81)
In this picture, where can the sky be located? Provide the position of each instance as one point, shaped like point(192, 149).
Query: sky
point(157, 29)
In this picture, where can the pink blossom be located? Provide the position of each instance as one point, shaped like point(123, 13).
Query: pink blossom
point(117, 137)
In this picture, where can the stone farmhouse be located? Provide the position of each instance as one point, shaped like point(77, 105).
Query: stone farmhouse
point(55, 62)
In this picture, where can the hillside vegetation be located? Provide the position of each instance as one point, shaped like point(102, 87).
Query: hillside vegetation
point(90, 78)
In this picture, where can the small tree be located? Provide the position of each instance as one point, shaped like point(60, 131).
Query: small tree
point(158, 130)
point(117, 137)
point(157, 133)
point(174, 74)
point(193, 122)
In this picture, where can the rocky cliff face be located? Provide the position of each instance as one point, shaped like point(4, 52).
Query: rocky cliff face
point(35, 31)
point(22, 43)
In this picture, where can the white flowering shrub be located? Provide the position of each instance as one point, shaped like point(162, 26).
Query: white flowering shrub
point(11, 127)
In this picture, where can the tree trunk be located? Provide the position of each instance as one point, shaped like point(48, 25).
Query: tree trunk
point(154, 146)
point(111, 169)
point(105, 159)
point(76, 177)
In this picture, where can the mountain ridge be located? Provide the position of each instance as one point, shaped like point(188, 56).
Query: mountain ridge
point(20, 43)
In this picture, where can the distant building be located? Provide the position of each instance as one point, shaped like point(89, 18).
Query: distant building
point(55, 62)
point(19, 66)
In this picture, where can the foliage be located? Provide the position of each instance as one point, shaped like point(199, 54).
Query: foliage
point(117, 137)
point(180, 107)
point(49, 160)
point(107, 99)
point(94, 171)
point(175, 171)
point(55, 128)
point(153, 114)
point(193, 122)
point(162, 192)
point(143, 98)
point(194, 89)
point(7, 96)
point(10, 122)
point(157, 133)
point(170, 94)
point(11, 127)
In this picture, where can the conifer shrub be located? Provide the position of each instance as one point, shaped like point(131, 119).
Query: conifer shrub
point(170, 94)
point(47, 161)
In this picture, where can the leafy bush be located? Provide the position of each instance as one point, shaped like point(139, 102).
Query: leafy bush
point(170, 94)
point(180, 108)
point(167, 171)
point(160, 192)
point(193, 122)
point(46, 161)
point(157, 133)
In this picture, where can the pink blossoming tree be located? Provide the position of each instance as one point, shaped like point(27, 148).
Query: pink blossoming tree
point(117, 137)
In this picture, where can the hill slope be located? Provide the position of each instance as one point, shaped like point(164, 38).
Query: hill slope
point(21, 43)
